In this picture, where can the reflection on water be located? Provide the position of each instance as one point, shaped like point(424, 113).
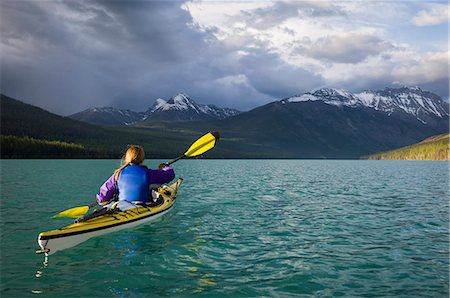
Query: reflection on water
point(40, 272)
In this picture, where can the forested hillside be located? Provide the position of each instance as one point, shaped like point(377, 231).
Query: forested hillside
point(31, 132)
point(311, 129)
point(433, 148)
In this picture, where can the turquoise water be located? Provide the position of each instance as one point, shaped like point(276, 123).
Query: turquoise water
point(282, 228)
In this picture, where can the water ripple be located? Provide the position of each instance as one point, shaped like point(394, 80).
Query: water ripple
point(278, 228)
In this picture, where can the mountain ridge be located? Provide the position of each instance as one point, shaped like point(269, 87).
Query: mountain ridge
point(178, 108)
point(281, 129)
point(412, 100)
point(424, 105)
point(316, 129)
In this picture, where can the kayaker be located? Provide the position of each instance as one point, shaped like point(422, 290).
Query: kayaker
point(132, 180)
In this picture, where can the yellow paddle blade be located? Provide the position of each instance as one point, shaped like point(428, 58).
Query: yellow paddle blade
point(73, 212)
point(205, 143)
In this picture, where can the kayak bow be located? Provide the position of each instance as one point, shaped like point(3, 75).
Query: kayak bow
point(78, 232)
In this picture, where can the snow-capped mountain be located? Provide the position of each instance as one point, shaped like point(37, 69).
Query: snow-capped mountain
point(330, 123)
point(182, 108)
point(316, 126)
point(411, 100)
point(178, 108)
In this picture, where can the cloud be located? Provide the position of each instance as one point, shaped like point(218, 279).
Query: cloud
point(435, 15)
point(430, 71)
point(428, 68)
point(66, 56)
point(94, 53)
point(267, 17)
point(270, 75)
point(349, 48)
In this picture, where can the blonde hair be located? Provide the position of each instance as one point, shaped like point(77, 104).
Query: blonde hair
point(133, 156)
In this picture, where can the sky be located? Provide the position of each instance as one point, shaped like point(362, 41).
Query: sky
point(66, 56)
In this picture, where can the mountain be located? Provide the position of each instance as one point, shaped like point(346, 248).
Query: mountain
point(327, 123)
point(31, 132)
point(182, 108)
point(108, 116)
point(423, 105)
point(178, 108)
point(331, 123)
point(315, 129)
point(28, 131)
point(432, 148)
point(21, 119)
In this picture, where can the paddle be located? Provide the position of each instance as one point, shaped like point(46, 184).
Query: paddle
point(203, 144)
point(76, 211)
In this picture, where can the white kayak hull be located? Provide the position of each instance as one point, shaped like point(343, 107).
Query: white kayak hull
point(50, 246)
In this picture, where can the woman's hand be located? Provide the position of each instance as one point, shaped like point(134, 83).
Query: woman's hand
point(162, 166)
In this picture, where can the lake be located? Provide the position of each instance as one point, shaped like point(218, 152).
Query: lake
point(283, 228)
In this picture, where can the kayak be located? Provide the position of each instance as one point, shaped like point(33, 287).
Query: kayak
point(111, 220)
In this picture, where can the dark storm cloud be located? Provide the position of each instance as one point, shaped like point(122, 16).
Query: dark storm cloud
point(440, 86)
point(68, 56)
point(27, 20)
point(65, 56)
point(272, 76)
point(157, 28)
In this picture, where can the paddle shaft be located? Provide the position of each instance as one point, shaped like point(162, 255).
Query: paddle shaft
point(176, 159)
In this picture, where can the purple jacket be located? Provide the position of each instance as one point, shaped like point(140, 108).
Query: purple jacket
point(109, 188)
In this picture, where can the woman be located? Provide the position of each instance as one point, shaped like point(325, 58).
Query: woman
point(131, 181)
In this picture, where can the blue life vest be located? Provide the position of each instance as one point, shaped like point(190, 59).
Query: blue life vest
point(133, 185)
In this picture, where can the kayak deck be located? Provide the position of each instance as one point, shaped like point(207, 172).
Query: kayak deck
point(78, 232)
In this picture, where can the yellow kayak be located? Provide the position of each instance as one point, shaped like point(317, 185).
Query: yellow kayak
point(114, 220)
